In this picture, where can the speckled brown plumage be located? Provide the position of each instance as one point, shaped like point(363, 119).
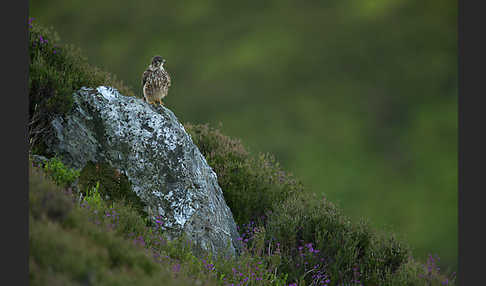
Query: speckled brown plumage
point(155, 81)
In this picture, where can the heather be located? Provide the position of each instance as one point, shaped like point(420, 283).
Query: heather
point(86, 227)
point(76, 239)
point(252, 185)
point(313, 238)
point(75, 244)
point(56, 70)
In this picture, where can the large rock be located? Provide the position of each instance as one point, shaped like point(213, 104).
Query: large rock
point(150, 146)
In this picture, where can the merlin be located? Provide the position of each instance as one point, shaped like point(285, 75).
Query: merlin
point(155, 81)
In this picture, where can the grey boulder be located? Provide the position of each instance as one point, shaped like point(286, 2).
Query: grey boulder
point(150, 146)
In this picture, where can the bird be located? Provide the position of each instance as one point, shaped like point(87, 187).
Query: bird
point(155, 81)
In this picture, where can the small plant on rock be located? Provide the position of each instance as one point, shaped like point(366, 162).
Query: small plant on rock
point(62, 175)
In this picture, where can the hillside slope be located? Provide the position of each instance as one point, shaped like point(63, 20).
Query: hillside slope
point(289, 235)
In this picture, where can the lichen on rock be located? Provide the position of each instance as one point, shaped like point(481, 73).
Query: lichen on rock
point(149, 146)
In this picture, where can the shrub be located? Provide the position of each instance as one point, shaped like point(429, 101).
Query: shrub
point(252, 185)
point(318, 244)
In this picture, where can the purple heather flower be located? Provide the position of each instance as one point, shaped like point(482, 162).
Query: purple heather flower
point(176, 268)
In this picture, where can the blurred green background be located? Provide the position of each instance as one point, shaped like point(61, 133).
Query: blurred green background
point(357, 98)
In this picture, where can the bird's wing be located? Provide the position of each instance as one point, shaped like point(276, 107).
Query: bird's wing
point(145, 77)
point(168, 80)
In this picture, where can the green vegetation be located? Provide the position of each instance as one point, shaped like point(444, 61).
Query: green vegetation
point(261, 194)
point(93, 196)
point(251, 185)
point(358, 99)
point(109, 243)
point(61, 175)
point(70, 245)
point(289, 235)
point(110, 183)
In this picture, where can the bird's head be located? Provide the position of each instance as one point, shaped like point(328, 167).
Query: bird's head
point(158, 61)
